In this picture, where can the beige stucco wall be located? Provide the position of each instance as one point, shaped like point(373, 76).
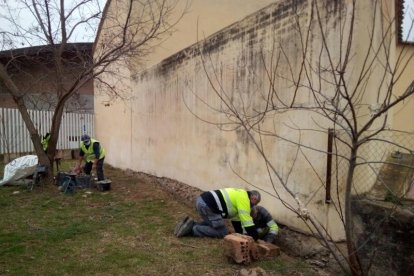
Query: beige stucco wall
point(171, 128)
point(200, 19)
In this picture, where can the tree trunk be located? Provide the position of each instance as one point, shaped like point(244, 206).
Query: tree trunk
point(34, 135)
point(353, 258)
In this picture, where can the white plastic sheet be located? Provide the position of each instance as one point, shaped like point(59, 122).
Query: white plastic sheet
point(19, 168)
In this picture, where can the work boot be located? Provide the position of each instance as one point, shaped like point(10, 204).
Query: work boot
point(179, 224)
point(184, 227)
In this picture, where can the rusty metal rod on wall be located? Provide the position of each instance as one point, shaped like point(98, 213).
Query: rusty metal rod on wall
point(329, 166)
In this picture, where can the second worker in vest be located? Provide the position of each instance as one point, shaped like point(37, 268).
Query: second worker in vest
point(94, 154)
point(214, 207)
point(266, 227)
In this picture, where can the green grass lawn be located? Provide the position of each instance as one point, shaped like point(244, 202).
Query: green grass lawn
point(126, 231)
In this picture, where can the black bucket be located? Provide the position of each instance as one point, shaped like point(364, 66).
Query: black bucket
point(84, 181)
point(103, 185)
point(62, 176)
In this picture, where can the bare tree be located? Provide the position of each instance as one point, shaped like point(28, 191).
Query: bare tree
point(136, 27)
point(332, 83)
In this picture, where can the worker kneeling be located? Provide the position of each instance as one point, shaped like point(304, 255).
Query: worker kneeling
point(265, 225)
point(215, 206)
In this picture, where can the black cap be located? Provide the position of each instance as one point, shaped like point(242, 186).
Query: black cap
point(85, 138)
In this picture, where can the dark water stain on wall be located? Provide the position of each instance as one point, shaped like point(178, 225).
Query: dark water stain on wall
point(246, 30)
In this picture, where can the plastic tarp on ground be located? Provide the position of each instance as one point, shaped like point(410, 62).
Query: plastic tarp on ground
point(19, 168)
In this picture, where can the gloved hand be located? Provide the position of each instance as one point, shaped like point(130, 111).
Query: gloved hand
point(77, 169)
point(270, 238)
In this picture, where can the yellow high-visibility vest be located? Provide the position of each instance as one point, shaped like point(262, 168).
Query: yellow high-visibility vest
point(89, 154)
point(45, 142)
point(238, 205)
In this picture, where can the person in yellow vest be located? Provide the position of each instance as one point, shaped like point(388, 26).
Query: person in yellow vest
point(214, 207)
point(266, 227)
point(94, 154)
point(45, 141)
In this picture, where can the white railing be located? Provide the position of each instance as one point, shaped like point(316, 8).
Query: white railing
point(14, 137)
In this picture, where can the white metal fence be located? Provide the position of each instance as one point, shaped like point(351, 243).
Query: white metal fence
point(15, 138)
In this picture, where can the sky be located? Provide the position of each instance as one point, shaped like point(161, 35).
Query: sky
point(408, 20)
point(25, 19)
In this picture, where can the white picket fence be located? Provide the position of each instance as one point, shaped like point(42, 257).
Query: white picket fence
point(15, 138)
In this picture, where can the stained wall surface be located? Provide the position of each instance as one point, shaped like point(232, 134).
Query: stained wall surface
point(177, 123)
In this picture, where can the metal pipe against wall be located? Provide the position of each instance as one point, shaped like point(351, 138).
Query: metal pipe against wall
point(329, 166)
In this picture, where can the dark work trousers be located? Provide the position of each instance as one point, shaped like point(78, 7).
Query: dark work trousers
point(99, 169)
point(212, 224)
